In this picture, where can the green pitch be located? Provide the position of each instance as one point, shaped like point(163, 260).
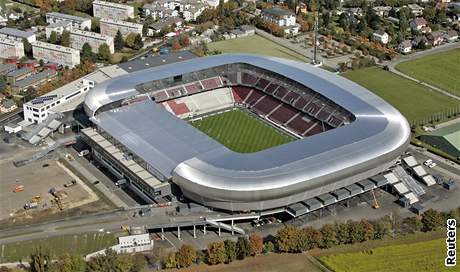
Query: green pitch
point(241, 132)
point(441, 70)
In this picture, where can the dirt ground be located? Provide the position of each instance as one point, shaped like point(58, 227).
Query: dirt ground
point(37, 178)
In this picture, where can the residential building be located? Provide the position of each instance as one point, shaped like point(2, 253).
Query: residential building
point(16, 34)
point(382, 11)
point(405, 47)
point(58, 27)
point(158, 26)
point(18, 74)
point(7, 105)
point(417, 23)
point(76, 21)
point(10, 48)
point(114, 11)
point(34, 80)
point(110, 27)
point(451, 36)
point(284, 18)
point(436, 38)
point(192, 13)
point(415, 9)
point(381, 36)
point(420, 42)
point(128, 244)
point(48, 52)
point(79, 37)
point(215, 3)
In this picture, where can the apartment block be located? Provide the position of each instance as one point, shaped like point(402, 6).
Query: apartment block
point(78, 38)
point(110, 27)
point(16, 34)
point(48, 52)
point(77, 22)
point(10, 48)
point(114, 11)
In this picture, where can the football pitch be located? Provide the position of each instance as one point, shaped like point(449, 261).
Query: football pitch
point(241, 132)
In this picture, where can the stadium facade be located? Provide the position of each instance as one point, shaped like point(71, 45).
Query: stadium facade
point(345, 133)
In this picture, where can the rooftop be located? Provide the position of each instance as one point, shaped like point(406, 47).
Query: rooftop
point(35, 78)
point(55, 47)
point(277, 11)
point(90, 34)
point(110, 4)
point(9, 41)
point(67, 16)
point(16, 32)
point(119, 22)
point(20, 72)
point(153, 61)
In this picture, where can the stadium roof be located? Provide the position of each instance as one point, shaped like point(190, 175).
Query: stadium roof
point(154, 61)
point(377, 136)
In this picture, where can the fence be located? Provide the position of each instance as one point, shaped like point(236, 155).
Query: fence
point(436, 117)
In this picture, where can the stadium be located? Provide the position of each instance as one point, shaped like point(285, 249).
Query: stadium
point(242, 132)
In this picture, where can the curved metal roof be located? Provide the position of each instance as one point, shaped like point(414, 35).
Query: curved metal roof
point(377, 134)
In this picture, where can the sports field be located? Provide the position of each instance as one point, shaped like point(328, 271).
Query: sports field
point(441, 70)
point(255, 45)
point(73, 244)
point(241, 132)
point(423, 256)
point(411, 99)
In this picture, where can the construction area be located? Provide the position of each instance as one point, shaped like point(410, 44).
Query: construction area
point(39, 188)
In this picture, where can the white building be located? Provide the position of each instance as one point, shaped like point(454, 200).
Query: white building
point(128, 244)
point(16, 34)
point(58, 27)
point(283, 18)
point(48, 52)
point(76, 21)
point(381, 36)
point(110, 27)
point(109, 10)
point(10, 48)
point(67, 97)
point(405, 47)
point(192, 12)
point(79, 37)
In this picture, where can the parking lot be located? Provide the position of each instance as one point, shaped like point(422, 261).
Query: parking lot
point(37, 179)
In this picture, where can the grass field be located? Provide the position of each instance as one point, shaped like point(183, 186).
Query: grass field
point(411, 99)
point(73, 244)
point(422, 256)
point(241, 132)
point(255, 45)
point(441, 70)
point(265, 263)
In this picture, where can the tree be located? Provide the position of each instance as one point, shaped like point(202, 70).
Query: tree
point(312, 236)
point(87, 52)
point(138, 43)
point(104, 52)
point(44, 5)
point(186, 256)
point(216, 253)
point(381, 229)
point(269, 247)
point(243, 248)
point(65, 38)
point(286, 239)
point(53, 37)
point(123, 263)
point(230, 250)
point(102, 263)
point(27, 47)
point(139, 263)
point(329, 236)
point(129, 41)
point(171, 261)
point(342, 233)
point(69, 263)
point(39, 260)
point(431, 220)
point(256, 244)
point(119, 41)
point(175, 45)
point(367, 230)
point(184, 40)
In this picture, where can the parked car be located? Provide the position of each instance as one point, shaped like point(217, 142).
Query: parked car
point(428, 162)
point(431, 165)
